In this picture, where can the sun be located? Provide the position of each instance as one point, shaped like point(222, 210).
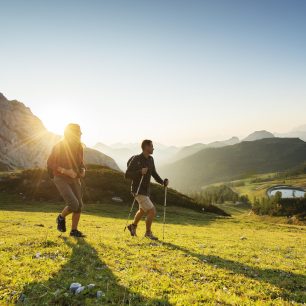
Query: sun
point(55, 121)
point(55, 127)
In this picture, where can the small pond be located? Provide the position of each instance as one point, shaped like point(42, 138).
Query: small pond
point(287, 191)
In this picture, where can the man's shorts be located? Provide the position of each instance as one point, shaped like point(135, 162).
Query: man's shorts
point(71, 191)
point(144, 202)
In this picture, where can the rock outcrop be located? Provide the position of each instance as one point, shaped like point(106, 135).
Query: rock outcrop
point(26, 143)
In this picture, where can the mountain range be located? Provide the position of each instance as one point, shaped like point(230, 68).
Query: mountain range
point(168, 154)
point(232, 162)
point(26, 143)
point(164, 155)
point(189, 150)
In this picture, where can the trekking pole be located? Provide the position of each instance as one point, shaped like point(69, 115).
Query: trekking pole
point(128, 218)
point(165, 206)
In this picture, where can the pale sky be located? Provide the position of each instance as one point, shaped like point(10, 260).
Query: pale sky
point(177, 72)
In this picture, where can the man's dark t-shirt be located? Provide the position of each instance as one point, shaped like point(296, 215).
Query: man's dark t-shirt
point(134, 172)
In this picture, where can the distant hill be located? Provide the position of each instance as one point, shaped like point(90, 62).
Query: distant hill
point(257, 135)
point(26, 143)
point(298, 132)
point(219, 144)
point(122, 152)
point(301, 128)
point(92, 156)
point(231, 162)
point(189, 150)
point(121, 155)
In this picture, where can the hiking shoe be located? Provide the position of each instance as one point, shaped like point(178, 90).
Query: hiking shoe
point(151, 236)
point(61, 223)
point(132, 229)
point(76, 233)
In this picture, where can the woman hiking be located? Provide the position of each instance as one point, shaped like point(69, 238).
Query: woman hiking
point(66, 164)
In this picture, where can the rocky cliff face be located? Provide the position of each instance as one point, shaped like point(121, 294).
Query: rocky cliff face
point(26, 143)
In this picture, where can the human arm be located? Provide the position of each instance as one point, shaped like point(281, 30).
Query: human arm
point(156, 176)
point(82, 164)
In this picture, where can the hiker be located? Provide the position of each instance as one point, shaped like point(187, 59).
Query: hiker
point(66, 166)
point(138, 166)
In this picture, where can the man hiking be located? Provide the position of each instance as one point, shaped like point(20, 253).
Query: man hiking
point(66, 165)
point(138, 166)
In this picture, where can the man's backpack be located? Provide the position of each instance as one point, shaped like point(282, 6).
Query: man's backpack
point(129, 163)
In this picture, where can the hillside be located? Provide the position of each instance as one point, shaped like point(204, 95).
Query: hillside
point(26, 143)
point(101, 184)
point(92, 156)
point(227, 163)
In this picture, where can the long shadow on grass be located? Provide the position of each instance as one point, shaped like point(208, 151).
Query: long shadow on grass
point(293, 285)
point(85, 267)
point(174, 215)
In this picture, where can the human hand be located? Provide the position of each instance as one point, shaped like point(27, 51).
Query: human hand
point(166, 182)
point(144, 171)
point(71, 173)
point(82, 173)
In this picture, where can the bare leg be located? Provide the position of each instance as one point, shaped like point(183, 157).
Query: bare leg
point(138, 216)
point(150, 216)
point(75, 220)
point(66, 211)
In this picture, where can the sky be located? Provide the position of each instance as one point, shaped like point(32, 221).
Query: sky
point(177, 72)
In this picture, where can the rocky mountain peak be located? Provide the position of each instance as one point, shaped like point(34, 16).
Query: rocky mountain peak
point(26, 143)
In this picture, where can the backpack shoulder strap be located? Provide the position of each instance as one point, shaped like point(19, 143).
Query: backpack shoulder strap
point(130, 160)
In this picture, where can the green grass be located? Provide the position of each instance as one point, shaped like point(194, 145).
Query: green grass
point(205, 259)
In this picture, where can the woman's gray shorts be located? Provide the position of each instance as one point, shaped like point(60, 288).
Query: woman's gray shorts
point(71, 191)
